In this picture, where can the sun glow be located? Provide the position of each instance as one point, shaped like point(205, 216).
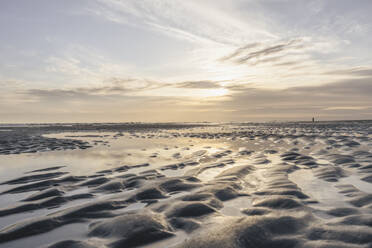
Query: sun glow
point(186, 92)
point(215, 92)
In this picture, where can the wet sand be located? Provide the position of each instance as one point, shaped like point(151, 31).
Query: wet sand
point(163, 185)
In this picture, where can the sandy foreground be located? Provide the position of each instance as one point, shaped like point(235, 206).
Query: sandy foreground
point(181, 185)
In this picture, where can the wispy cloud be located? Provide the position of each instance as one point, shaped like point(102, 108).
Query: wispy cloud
point(199, 85)
point(245, 54)
point(348, 108)
point(113, 86)
point(127, 87)
point(353, 71)
point(191, 20)
point(240, 51)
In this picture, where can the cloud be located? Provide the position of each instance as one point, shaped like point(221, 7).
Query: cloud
point(288, 63)
point(296, 61)
point(348, 108)
point(128, 88)
point(119, 101)
point(245, 54)
point(347, 99)
point(196, 21)
point(345, 89)
point(240, 51)
point(199, 85)
point(80, 65)
point(357, 71)
point(112, 87)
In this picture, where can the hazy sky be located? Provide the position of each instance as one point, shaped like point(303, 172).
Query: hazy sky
point(177, 60)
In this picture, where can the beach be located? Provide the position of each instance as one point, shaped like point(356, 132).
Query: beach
point(290, 184)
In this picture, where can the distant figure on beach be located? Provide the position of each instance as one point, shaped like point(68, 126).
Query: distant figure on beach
point(313, 119)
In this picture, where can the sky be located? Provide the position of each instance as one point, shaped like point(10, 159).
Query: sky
point(176, 60)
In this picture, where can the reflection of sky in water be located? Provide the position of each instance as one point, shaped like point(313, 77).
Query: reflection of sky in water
point(123, 150)
point(119, 151)
point(359, 184)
